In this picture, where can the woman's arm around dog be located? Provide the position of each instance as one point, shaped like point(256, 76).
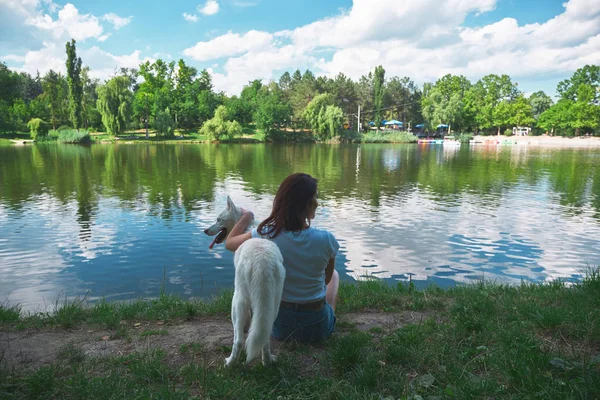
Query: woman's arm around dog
point(238, 234)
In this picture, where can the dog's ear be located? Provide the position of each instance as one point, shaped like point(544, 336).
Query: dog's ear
point(230, 205)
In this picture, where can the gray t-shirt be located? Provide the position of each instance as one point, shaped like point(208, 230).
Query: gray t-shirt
point(305, 257)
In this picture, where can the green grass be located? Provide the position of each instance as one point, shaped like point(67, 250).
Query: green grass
point(388, 137)
point(154, 332)
point(479, 341)
point(69, 313)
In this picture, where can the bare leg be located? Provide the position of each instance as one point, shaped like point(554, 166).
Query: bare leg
point(238, 318)
point(332, 289)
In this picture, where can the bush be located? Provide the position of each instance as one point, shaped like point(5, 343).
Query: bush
point(394, 137)
point(508, 132)
point(164, 124)
point(74, 136)
point(464, 137)
point(37, 128)
point(64, 128)
point(218, 128)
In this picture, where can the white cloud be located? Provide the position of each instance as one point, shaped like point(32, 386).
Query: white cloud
point(229, 44)
point(261, 64)
point(422, 39)
point(118, 22)
point(190, 17)
point(13, 57)
point(69, 24)
point(211, 7)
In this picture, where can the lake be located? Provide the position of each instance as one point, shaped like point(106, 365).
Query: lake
point(125, 221)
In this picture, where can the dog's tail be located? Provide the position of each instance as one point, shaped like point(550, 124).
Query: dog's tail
point(265, 296)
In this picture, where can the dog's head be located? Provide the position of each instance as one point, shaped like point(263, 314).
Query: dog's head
point(225, 222)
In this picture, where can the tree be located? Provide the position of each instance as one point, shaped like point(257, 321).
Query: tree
point(271, 112)
point(486, 95)
point(344, 93)
point(220, 127)
point(325, 119)
point(239, 110)
point(89, 113)
point(51, 85)
point(439, 108)
point(585, 114)
point(75, 86)
point(521, 112)
point(378, 93)
point(207, 101)
point(37, 128)
point(334, 122)
point(539, 102)
point(185, 95)
point(557, 117)
point(588, 75)
point(405, 97)
point(155, 92)
point(115, 104)
point(303, 90)
point(445, 102)
point(164, 123)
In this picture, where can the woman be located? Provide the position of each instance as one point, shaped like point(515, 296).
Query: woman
point(306, 313)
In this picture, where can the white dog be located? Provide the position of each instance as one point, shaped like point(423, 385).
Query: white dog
point(259, 277)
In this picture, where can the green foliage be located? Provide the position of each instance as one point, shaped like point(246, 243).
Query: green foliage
point(37, 128)
point(325, 119)
point(573, 117)
point(279, 109)
point(587, 75)
point(164, 124)
point(271, 113)
point(539, 102)
point(114, 103)
point(378, 93)
point(219, 127)
point(445, 102)
point(486, 95)
point(508, 132)
point(55, 93)
point(74, 136)
point(75, 85)
point(388, 137)
point(464, 137)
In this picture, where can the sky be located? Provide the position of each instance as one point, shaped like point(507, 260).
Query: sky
point(537, 42)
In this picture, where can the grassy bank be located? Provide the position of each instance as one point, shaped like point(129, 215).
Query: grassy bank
point(388, 137)
point(478, 341)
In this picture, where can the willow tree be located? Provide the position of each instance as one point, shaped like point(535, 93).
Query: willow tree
point(115, 104)
point(325, 119)
point(75, 85)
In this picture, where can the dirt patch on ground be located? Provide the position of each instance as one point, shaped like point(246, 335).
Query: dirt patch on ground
point(32, 349)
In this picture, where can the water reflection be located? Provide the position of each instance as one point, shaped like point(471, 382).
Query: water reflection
point(121, 221)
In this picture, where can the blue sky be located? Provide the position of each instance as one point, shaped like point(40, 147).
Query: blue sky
point(537, 42)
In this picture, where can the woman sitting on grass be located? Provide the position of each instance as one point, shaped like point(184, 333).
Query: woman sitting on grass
point(311, 283)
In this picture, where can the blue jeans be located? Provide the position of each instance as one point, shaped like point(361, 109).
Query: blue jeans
point(304, 326)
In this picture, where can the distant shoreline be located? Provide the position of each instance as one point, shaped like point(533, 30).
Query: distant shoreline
point(543, 141)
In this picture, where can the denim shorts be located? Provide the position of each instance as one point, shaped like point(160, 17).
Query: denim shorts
point(304, 326)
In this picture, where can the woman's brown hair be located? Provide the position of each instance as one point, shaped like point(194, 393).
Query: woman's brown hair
point(290, 206)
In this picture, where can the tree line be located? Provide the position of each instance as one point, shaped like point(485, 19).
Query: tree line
point(165, 96)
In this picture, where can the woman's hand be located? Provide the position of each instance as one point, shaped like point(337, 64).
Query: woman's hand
point(247, 212)
point(238, 234)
